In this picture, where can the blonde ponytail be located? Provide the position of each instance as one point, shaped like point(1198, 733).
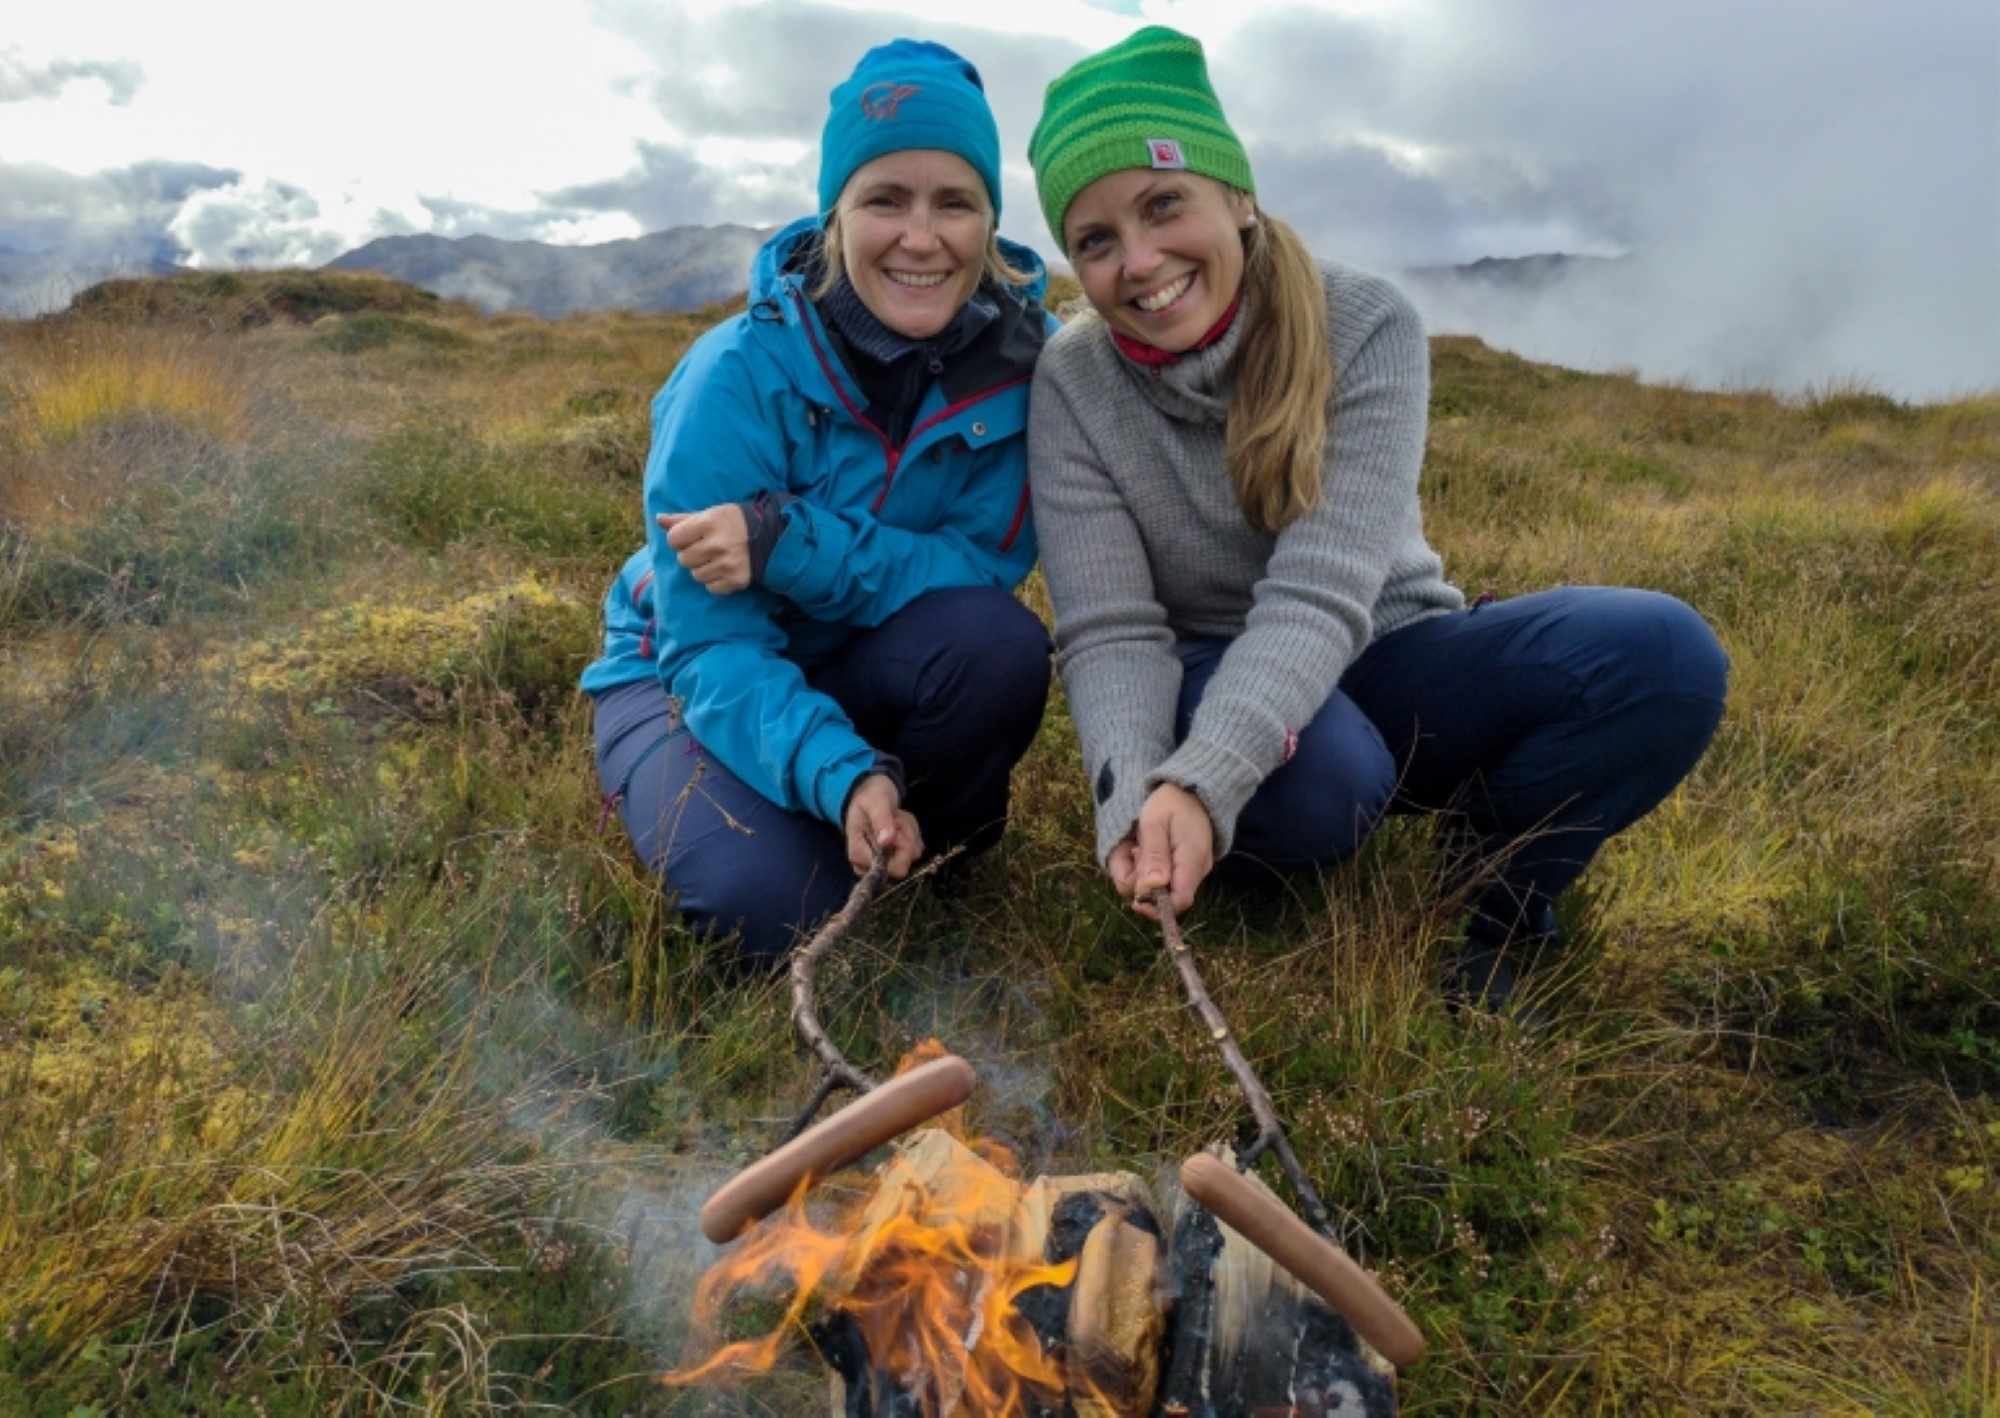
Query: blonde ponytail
point(1283, 376)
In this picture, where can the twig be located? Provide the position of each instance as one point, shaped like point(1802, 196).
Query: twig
point(834, 1070)
point(1270, 1132)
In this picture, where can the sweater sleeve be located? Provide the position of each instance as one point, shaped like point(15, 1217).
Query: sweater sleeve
point(1312, 611)
point(1115, 652)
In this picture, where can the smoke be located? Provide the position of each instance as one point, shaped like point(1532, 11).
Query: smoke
point(560, 1072)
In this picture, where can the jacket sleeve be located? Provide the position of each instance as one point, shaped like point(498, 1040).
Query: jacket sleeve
point(1115, 650)
point(721, 656)
point(849, 565)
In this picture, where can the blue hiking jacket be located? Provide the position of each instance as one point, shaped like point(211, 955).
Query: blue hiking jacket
point(762, 403)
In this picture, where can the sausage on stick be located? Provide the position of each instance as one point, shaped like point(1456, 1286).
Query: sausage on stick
point(869, 1121)
point(1318, 1263)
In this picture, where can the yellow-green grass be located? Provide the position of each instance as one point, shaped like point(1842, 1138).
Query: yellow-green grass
point(346, 1065)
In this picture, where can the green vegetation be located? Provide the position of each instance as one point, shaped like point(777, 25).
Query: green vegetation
point(346, 1066)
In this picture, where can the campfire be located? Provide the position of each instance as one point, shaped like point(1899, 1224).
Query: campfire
point(945, 1283)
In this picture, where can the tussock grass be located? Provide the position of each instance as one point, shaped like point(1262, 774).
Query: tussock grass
point(226, 300)
point(80, 405)
point(347, 1066)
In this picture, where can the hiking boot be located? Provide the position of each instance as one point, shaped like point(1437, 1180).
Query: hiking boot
point(1489, 971)
point(1482, 974)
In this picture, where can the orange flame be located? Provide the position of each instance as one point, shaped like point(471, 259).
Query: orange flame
point(930, 1267)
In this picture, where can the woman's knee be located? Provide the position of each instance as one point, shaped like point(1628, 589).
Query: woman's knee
point(993, 655)
point(1652, 642)
point(1655, 680)
point(1324, 802)
point(767, 905)
point(735, 861)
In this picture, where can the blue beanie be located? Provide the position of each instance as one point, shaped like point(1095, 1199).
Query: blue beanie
point(908, 93)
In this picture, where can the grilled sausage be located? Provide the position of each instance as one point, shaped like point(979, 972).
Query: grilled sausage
point(869, 1121)
point(1318, 1263)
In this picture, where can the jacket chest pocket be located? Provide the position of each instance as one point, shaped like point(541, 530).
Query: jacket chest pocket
point(928, 484)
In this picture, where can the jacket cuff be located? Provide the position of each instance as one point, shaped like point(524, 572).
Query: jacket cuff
point(842, 759)
point(791, 568)
point(1223, 779)
point(764, 518)
point(886, 764)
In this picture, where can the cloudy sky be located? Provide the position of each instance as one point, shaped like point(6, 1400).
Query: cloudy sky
point(1806, 191)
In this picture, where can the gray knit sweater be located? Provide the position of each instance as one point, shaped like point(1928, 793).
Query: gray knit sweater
point(1142, 544)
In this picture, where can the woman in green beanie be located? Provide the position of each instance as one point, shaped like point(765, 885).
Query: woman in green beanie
point(1260, 649)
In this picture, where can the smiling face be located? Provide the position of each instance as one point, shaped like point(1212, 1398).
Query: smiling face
point(914, 227)
point(1159, 254)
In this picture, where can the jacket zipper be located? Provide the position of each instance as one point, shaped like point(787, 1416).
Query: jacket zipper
point(893, 456)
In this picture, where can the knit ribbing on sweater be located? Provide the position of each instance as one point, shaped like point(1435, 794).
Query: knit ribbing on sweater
point(1143, 544)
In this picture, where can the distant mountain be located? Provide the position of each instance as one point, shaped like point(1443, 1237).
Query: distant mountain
point(35, 282)
point(1524, 275)
point(1578, 311)
point(677, 269)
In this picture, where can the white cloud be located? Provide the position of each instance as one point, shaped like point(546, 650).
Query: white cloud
point(22, 78)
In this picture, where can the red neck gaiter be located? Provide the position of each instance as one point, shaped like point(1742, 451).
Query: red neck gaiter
point(1153, 357)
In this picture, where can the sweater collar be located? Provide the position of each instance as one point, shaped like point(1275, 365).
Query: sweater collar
point(1197, 387)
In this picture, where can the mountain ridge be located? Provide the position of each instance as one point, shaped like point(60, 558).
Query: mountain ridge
point(680, 268)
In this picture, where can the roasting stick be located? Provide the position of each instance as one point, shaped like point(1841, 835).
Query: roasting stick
point(834, 1069)
point(1270, 1132)
point(881, 1112)
point(1311, 1253)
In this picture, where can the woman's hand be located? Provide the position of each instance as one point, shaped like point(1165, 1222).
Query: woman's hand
point(1172, 845)
point(713, 544)
point(876, 819)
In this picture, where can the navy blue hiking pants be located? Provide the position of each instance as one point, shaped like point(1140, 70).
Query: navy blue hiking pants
point(953, 685)
point(1543, 724)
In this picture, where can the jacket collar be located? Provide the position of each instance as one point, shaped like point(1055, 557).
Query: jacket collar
point(786, 269)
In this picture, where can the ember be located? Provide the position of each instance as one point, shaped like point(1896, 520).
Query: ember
point(954, 1287)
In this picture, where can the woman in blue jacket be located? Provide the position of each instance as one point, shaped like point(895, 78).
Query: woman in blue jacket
point(818, 654)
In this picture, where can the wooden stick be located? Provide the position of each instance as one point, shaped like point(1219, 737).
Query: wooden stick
point(835, 1071)
point(1270, 1132)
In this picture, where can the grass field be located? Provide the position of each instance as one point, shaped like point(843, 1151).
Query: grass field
point(347, 1066)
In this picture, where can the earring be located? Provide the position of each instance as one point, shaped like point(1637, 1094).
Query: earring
point(1250, 221)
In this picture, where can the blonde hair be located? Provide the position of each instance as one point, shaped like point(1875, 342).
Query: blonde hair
point(997, 269)
point(1283, 375)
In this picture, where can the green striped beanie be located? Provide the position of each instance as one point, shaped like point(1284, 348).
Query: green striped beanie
point(1144, 102)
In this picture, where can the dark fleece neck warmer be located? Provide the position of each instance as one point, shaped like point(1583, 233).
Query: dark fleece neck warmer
point(892, 369)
